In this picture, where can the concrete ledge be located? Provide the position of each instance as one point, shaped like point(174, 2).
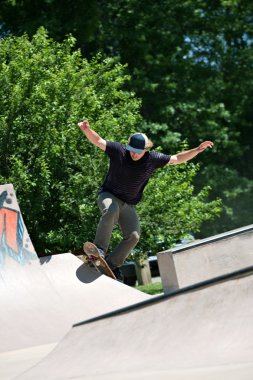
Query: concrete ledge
point(206, 258)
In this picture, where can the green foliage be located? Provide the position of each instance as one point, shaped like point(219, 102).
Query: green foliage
point(79, 17)
point(171, 209)
point(47, 87)
point(45, 90)
point(153, 289)
point(191, 64)
point(236, 192)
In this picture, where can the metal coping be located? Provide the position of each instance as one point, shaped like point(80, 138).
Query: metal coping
point(161, 298)
point(212, 239)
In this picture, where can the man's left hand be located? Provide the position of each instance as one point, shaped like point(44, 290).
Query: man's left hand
point(204, 145)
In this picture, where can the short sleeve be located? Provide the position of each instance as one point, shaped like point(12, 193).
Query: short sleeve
point(113, 149)
point(159, 159)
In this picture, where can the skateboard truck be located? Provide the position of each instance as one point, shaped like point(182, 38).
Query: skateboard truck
point(92, 256)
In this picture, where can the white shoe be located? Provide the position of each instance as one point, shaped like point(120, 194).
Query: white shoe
point(101, 252)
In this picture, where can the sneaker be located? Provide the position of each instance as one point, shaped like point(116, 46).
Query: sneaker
point(118, 274)
point(101, 252)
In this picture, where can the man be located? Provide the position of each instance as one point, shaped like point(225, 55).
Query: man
point(131, 166)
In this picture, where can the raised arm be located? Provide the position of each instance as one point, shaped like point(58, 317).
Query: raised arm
point(189, 154)
point(91, 135)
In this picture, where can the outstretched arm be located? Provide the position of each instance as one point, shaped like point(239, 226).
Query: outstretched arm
point(91, 135)
point(189, 154)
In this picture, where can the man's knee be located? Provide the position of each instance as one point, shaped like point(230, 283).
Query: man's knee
point(134, 237)
point(111, 212)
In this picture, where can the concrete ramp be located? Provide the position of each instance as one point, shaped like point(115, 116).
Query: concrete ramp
point(42, 299)
point(25, 291)
point(206, 258)
point(84, 292)
point(202, 332)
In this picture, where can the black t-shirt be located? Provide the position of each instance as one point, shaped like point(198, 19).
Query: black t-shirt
point(126, 178)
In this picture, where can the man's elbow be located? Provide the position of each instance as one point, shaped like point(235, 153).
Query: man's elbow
point(101, 143)
point(174, 160)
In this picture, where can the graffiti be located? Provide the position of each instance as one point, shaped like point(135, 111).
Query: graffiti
point(12, 233)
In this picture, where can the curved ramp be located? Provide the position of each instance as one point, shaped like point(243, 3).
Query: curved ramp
point(84, 292)
point(204, 331)
point(42, 299)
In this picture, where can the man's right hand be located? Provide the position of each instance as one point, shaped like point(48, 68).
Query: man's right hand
point(91, 135)
point(83, 125)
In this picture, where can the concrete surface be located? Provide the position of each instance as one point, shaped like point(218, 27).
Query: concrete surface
point(42, 299)
point(204, 332)
point(201, 332)
point(206, 258)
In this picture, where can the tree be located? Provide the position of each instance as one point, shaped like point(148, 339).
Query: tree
point(79, 18)
point(191, 64)
point(172, 210)
point(46, 88)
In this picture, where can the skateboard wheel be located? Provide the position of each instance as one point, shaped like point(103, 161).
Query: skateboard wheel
point(85, 259)
point(97, 262)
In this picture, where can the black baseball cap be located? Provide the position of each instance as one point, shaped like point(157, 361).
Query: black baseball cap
point(137, 143)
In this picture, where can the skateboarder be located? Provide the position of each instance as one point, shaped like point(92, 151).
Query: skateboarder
point(130, 168)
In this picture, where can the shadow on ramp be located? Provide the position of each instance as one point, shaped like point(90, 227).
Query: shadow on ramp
point(203, 331)
point(86, 274)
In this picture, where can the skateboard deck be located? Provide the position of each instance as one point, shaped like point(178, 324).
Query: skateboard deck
point(92, 256)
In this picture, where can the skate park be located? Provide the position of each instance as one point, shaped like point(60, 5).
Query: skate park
point(63, 320)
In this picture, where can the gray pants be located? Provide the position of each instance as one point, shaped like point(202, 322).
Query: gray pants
point(114, 211)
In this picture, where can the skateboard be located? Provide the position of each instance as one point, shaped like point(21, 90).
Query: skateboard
point(92, 256)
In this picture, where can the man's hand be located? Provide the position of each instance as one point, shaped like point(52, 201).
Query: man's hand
point(83, 125)
point(91, 135)
point(204, 145)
